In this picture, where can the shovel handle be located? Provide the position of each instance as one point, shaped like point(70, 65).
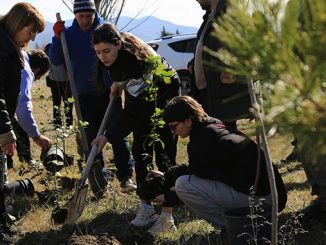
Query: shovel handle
point(73, 86)
point(93, 152)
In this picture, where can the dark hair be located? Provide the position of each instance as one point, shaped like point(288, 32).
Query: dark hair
point(47, 48)
point(108, 33)
point(181, 108)
point(39, 59)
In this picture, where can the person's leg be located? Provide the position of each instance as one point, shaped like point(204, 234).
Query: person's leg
point(207, 198)
point(56, 102)
point(143, 155)
point(3, 223)
point(93, 109)
point(66, 94)
point(122, 126)
point(165, 154)
point(23, 144)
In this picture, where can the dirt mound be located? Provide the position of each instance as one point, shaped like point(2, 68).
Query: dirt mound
point(93, 240)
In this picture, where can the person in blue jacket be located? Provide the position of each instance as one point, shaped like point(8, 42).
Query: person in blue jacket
point(83, 60)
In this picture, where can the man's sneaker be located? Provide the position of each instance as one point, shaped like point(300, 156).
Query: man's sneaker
point(163, 224)
point(145, 216)
point(128, 186)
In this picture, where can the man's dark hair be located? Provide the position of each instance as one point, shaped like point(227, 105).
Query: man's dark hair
point(39, 59)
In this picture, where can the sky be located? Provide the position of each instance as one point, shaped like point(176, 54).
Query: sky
point(181, 12)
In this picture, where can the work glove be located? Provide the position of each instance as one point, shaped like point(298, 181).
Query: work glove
point(58, 27)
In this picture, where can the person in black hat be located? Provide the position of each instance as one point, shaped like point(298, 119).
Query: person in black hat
point(92, 103)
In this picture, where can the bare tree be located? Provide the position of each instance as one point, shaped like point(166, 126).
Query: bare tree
point(110, 10)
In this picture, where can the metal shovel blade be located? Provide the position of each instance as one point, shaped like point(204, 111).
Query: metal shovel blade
point(76, 205)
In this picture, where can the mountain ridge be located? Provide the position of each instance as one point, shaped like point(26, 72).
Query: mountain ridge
point(147, 28)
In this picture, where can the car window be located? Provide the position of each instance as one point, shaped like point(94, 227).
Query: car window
point(184, 46)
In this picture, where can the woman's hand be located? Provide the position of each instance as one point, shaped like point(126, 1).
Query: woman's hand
point(116, 89)
point(100, 141)
point(9, 149)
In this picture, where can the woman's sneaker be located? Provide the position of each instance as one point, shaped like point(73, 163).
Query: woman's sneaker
point(127, 186)
point(145, 216)
point(163, 224)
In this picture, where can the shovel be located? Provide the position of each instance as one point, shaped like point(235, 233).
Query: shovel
point(78, 200)
point(96, 178)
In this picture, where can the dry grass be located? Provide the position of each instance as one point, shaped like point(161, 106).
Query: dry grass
point(109, 217)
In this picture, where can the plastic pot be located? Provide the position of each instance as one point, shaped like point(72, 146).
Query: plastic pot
point(53, 159)
point(23, 187)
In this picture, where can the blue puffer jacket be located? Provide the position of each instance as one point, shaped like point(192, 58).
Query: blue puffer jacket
point(82, 55)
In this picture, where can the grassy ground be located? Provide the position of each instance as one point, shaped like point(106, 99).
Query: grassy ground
point(106, 221)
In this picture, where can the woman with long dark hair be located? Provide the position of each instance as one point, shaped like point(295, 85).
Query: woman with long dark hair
point(127, 59)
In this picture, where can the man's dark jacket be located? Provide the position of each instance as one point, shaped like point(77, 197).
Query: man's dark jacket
point(227, 102)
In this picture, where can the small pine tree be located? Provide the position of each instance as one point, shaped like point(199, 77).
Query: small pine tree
point(282, 45)
point(165, 33)
point(177, 31)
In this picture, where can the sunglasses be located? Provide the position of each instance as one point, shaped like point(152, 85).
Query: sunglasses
point(174, 126)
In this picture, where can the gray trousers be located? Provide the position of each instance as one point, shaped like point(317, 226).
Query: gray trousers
point(210, 198)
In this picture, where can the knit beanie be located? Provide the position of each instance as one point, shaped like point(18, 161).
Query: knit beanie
point(84, 6)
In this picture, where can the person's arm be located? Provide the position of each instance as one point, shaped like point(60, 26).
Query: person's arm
point(7, 136)
point(24, 110)
point(55, 51)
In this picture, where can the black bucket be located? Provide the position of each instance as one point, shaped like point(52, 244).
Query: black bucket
point(53, 159)
point(242, 227)
point(23, 187)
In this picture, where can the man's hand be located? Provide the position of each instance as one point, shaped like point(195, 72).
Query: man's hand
point(227, 78)
point(43, 142)
point(9, 149)
point(100, 141)
point(58, 27)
